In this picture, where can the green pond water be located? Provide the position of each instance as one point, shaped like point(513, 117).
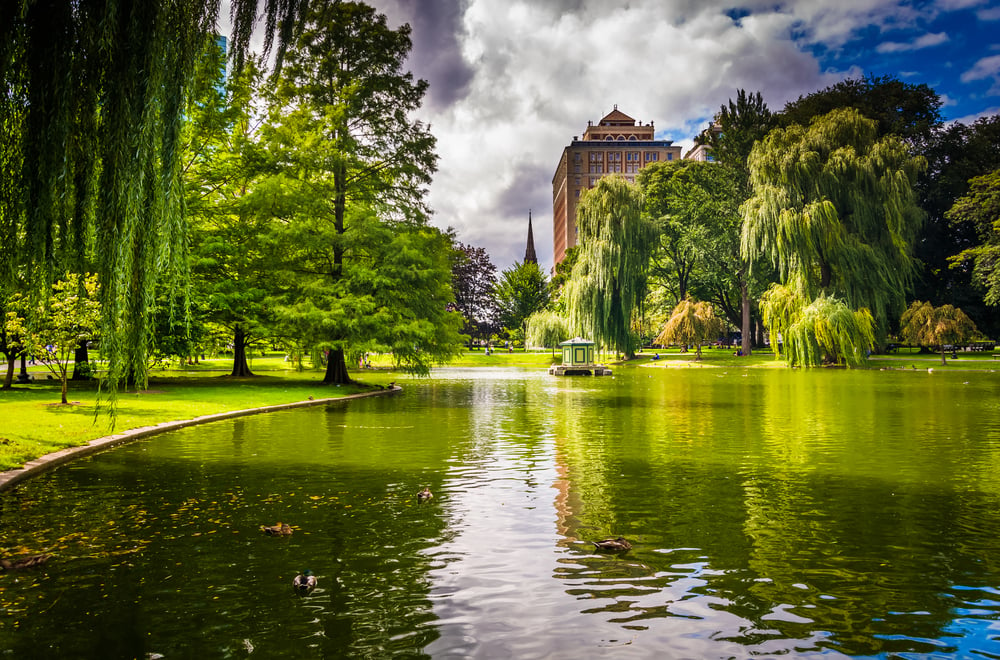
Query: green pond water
point(773, 513)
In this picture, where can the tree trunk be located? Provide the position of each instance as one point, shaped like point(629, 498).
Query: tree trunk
point(336, 368)
point(8, 381)
point(65, 383)
point(240, 367)
point(81, 362)
point(943, 361)
point(746, 341)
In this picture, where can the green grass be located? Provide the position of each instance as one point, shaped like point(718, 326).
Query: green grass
point(35, 423)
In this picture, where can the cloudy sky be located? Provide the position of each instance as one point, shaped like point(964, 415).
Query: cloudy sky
point(512, 81)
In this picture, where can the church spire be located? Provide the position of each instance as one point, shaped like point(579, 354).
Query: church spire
point(529, 252)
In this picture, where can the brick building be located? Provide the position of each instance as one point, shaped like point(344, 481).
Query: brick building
point(617, 144)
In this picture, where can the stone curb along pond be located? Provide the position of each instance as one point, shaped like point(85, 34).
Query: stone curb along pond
point(43, 463)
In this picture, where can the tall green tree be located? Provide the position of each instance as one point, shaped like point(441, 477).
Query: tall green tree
point(957, 154)
point(925, 325)
point(835, 212)
point(342, 145)
point(521, 291)
point(980, 210)
point(739, 125)
point(93, 103)
point(608, 283)
point(909, 111)
point(695, 207)
point(391, 293)
point(228, 216)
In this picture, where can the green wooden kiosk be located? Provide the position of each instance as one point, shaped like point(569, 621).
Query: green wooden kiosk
point(578, 360)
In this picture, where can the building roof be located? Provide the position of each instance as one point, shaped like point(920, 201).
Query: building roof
point(616, 118)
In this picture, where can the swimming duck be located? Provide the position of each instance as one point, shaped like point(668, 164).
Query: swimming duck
point(613, 545)
point(424, 495)
point(281, 529)
point(23, 563)
point(304, 581)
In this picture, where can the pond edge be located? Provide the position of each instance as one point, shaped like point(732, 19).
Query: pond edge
point(47, 462)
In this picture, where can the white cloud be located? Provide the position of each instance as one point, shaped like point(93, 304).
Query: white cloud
point(969, 119)
point(952, 5)
point(989, 14)
point(542, 72)
point(512, 81)
point(923, 41)
point(987, 67)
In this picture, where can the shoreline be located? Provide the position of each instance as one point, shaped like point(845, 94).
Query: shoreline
point(34, 467)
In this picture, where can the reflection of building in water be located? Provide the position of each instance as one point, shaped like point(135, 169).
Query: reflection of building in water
point(617, 144)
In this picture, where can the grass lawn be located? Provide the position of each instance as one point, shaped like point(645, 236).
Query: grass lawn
point(33, 422)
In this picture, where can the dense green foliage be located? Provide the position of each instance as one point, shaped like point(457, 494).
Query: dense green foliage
point(824, 331)
point(695, 209)
point(93, 103)
point(346, 168)
point(834, 211)
point(52, 329)
point(521, 291)
point(608, 282)
point(908, 111)
point(980, 209)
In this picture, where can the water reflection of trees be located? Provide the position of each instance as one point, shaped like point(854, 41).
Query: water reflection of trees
point(784, 508)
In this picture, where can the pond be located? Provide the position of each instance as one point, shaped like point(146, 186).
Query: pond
point(771, 512)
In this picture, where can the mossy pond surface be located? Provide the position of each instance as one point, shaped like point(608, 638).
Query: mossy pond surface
point(773, 513)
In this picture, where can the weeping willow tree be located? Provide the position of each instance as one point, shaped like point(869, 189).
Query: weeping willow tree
point(833, 208)
point(546, 328)
point(926, 325)
point(690, 324)
point(825, 331)
point(93, 99)
point(608, 281)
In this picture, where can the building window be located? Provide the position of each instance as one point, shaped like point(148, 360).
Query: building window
point(632, 137)
point(596, 156)
point(576, 180)
point(576, 169)
point(576, 158)
point(615, 156)
point(593, 181)
point(670, 156)
point(617, 168)
point(651, 156)
point(578, 194)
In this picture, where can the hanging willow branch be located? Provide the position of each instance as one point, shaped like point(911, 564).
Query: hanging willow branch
point(835, 212)
point(90, 111)
point(609, 279)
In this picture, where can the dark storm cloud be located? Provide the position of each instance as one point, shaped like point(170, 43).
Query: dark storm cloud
point(530, 188)
point(436, 56)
